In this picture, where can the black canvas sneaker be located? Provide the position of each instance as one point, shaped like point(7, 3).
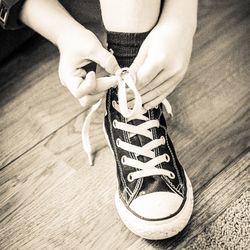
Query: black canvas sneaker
point(154, 195)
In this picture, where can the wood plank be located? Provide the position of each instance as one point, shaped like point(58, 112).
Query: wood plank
point(28, 177)
point(210, 201)
point(211, 126)
point(46, 203)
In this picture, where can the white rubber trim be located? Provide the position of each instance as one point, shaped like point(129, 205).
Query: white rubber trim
point(157, 230)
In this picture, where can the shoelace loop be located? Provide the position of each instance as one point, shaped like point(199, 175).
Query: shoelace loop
point(126, 80)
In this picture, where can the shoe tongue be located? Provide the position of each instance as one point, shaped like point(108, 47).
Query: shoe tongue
point(141, 140)
point(154, 184)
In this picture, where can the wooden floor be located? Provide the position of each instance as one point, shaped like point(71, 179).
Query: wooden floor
point(51, 199)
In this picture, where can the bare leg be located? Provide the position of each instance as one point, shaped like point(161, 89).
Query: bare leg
point(131, 16)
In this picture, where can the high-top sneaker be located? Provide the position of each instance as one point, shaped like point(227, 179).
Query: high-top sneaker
point(154, 195)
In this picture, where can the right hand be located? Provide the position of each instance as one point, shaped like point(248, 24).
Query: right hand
point(78, 47)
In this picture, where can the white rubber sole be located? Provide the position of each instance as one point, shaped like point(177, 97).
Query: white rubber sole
point(155, 230)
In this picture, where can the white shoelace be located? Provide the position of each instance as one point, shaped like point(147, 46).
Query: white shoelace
point(126, 80)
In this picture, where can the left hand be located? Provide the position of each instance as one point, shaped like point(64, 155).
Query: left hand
point(162, 62)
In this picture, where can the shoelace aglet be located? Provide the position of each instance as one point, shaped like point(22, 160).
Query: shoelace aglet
point(91, 158)
point(85, 133)
point(168, 107)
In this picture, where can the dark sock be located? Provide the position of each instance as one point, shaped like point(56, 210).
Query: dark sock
point(125, 46)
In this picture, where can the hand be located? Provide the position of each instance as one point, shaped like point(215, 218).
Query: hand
point(162, 62)
point(78, 47)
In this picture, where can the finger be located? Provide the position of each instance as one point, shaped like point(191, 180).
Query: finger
point(80, 73)
point(89, 100)
point(70, 75)
point(72, 78)
point(148, 71)
point(162, 77)
point(85, 87)
point(106, 60)
point(105, 83)
point(164, 90)
point(155, 102)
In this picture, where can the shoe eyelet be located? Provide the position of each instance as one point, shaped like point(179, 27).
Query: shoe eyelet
point(117, 142)
point(171, 175)
point(115, 123)
point(167, 157)
point(130, 178)
point(157, 106)
point(163, 140)
point(123, 159)
point(142, 193)
point(113, 103)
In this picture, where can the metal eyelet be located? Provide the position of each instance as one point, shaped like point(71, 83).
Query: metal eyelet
point(111, 51)
point(117, 142)
point(163, 140)
point(142, 193)
point(123, 159)
point(113, 103)
point(167, 157)
point(123, 71)
point(171, 175)
point(130, 178)
point(115, 123)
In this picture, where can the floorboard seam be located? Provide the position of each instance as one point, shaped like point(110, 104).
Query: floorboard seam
point(235, 160)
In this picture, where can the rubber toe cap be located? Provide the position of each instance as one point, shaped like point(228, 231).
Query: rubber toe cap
point(157, 205)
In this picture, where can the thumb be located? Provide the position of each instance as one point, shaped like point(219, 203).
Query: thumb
point(148, 71)
point(106, 60)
